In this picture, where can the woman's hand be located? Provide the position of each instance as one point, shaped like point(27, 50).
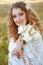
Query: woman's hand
point(20, 45)
point(19, 42)
point(15, 52)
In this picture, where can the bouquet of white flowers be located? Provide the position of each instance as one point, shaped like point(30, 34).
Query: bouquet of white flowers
point(28, 33)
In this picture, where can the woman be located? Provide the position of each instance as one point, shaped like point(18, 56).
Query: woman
point(21, 15)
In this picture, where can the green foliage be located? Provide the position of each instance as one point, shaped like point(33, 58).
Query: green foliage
point(39, 9)
point(3, 45)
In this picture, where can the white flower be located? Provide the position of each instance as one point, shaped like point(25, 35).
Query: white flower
point(27, 6)
point(26, 37)
point(24, 31)
point(20, 29)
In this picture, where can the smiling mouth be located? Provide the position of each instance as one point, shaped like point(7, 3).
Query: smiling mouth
point(20, 22)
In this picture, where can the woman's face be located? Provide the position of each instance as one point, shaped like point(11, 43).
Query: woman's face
point(19, 16)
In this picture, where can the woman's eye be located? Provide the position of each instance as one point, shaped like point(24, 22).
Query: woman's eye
point(14, 16)
point(21, 14)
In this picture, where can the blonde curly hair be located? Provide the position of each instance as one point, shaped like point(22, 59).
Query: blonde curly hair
point(32, 18)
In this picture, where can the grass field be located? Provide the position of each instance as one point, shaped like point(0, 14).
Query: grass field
point(4, 8)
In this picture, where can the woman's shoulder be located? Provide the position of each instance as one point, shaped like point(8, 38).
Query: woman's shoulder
point(12, 44)
point(11, 40)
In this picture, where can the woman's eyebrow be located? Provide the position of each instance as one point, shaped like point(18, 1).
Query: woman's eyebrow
point(13, 14)
point(20, 13)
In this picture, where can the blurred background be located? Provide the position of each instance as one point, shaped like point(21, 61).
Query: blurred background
point(4, 9)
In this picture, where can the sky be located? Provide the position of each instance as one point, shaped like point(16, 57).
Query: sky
point(11, 1)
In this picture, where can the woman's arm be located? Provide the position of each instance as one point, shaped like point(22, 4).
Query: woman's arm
point(12, 47)
point(19, 43)
point(36, 48)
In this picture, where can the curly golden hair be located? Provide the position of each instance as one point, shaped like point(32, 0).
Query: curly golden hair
point(32, 18)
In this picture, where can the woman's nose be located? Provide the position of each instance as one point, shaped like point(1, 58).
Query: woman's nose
point(18, 18)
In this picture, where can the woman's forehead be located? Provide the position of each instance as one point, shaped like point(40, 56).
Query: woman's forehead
point(17, 11)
